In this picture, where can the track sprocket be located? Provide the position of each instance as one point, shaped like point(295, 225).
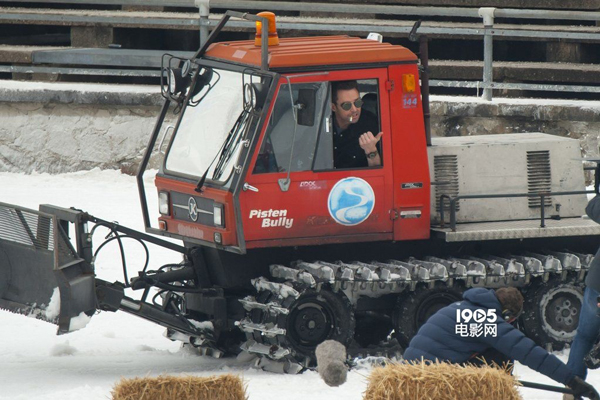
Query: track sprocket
point(286, 321)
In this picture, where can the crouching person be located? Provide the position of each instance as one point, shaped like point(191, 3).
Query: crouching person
point(480, 327)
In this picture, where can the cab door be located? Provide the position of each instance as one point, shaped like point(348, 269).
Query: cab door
point(293, 193)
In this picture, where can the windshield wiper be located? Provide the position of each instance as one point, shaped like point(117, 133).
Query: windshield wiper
point(227, 149)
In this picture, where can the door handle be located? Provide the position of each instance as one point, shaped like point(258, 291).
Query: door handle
point(249, 187)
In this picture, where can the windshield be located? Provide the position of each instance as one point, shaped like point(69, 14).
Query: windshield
point(209, 133)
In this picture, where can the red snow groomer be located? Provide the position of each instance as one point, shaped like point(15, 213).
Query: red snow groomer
point(285, 246)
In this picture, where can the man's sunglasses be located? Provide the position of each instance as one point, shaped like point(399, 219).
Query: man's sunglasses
point(347, 105)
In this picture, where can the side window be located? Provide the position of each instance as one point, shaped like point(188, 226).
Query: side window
point(353, 111)
point(291, 145)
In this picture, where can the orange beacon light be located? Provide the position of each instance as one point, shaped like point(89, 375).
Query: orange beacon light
point(273, 37)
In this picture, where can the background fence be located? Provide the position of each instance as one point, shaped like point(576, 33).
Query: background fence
point(565, 34)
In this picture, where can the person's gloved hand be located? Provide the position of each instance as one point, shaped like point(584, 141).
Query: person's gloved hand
point(583, 389)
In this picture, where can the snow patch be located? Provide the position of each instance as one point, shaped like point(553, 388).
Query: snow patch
point(53, 310)
point(79, 322)
point(145, 348)
point(203, 325)
point(63, 349)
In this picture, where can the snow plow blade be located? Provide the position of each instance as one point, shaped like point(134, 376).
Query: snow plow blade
point(41, 273)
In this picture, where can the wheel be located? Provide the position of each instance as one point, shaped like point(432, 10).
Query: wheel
point(314, 317)
point(551, 313)
point(414, 308)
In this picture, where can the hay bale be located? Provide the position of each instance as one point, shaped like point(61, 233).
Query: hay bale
point(224, 387)
point(440, 381)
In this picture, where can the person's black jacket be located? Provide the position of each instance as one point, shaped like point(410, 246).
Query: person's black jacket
point(347, 152)
point(437, 339)
point(593, 277)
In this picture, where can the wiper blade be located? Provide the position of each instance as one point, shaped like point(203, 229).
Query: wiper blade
point(227, 150)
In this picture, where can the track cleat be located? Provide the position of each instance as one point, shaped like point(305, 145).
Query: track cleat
point(282, 272)
point(273, 351)
point(436, 270)
point(532, 265)
point(249, 303)
point(474, 268)
point(361, 272)
point(455, 269)
point(569, 261)
point(493, 268)
point(414, 272)
point(511, 266)
point(318, 271)
point(269, 330)
point(550, 263)
point(278, 367)
point(282, 290)
point(379, 269)
point(585, 259)
point(341, 273)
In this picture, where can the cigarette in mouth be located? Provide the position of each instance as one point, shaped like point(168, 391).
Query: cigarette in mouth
point(350, 118)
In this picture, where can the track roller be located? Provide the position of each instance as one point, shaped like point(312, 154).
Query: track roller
point(551, 312)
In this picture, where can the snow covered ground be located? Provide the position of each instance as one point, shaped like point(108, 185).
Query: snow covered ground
point(37, 364)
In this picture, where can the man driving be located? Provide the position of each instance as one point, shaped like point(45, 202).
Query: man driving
point(354, 143)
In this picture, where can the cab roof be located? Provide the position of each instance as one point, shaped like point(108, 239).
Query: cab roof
point(313, 51)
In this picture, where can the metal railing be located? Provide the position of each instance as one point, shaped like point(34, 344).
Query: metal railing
point(487, 14)
point(153, 3)
point(487, 31)
point(453, 201)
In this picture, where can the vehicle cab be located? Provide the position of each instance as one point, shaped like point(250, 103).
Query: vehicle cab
point(257, 156)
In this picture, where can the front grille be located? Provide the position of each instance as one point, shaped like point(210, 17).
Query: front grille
point(539, 177)
point(182, 210)
point(445, 169)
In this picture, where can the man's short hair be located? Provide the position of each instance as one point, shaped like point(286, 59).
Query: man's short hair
point(342, 85)
point(510, 299)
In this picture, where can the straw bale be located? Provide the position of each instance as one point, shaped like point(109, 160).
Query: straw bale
point(441, 381)
point(224, 387)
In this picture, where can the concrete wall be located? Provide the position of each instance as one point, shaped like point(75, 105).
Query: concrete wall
point(56, 127)
point(453, 116)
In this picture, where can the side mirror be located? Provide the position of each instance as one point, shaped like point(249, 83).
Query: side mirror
point(306, 104)
point(255, 95)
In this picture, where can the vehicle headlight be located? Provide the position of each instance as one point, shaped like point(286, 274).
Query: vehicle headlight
point(163, 203)
point(177, 82)
point(218, 215)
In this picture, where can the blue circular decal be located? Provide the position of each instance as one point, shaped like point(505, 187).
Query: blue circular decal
point(351, 201)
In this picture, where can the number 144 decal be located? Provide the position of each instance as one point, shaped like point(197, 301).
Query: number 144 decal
point(409, 101)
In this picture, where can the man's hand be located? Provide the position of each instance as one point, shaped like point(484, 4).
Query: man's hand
point(368, 142)
point(581, 388)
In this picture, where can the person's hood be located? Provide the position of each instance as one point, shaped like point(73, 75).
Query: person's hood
point(482, 297)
